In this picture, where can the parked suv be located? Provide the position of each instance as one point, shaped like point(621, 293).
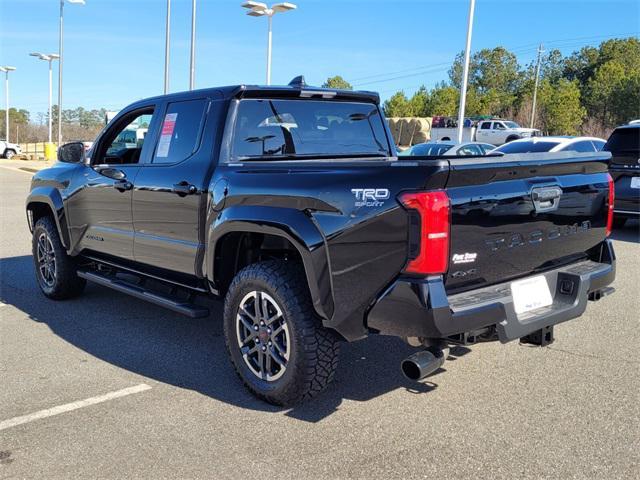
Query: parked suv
point(624, 145)
point(291, 204)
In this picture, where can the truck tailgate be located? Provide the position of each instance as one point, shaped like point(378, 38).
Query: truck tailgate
point(521, 214)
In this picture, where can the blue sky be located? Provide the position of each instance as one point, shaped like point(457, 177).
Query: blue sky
point(114, 49)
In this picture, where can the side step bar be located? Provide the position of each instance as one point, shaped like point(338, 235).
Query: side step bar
point(166, 301)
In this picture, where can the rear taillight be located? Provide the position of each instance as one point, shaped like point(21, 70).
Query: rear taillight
point(612, 197)
point(432, 253)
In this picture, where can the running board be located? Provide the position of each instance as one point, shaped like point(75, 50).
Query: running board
point(162, 300)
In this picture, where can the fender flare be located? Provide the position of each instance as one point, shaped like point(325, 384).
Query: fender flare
point(294, 225)
point(52, 198)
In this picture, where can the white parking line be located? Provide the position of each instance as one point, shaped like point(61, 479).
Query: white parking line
point(68, 407)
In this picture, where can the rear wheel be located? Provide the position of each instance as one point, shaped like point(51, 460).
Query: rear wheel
point(56, 271)
point(277, 344)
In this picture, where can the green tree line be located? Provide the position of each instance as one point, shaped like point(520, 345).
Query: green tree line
point(590, 91)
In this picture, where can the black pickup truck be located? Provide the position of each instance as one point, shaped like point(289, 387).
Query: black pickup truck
point(291, 203)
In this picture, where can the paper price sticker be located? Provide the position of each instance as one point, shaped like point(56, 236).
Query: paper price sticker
point(168, 126)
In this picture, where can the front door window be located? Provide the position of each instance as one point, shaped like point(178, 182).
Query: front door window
point(123, 145)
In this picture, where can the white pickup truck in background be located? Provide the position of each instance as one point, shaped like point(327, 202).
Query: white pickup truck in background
point(495, 132)
point(8, 149)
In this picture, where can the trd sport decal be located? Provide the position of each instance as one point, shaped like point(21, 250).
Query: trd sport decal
point(370, 197)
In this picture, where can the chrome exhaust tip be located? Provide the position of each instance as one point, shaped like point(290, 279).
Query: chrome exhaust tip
point(423, 363)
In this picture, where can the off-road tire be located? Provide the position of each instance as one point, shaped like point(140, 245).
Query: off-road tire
point(313, 357)
point(66, 283)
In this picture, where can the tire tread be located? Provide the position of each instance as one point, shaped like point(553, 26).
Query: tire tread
point(68, 284)
point(320, 346)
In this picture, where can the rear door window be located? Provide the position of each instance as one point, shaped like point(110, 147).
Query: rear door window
point(180, 131)
point(291, 129)
point(581, 147)
point(469, 150)
point(429, 149)
point(526, 147)
point(624, 140)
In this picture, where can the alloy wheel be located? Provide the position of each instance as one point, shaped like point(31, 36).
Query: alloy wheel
point(263, 336)
point(46, 260)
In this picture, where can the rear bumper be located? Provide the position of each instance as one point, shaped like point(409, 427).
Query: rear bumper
point(421, 308)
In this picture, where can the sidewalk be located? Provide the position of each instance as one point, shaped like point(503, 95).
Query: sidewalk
point(30, 166)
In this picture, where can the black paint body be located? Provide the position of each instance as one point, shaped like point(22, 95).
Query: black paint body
point(353, 256)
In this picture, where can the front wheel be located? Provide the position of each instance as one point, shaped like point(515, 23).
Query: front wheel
point(277, 344)
point(56, 271)
point(8, 154)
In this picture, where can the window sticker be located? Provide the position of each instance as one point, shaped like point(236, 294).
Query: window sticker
point(164, 143)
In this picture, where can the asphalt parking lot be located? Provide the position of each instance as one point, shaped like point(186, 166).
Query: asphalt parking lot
point(139, 392)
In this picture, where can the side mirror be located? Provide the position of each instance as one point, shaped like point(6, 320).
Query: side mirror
point(71, 153)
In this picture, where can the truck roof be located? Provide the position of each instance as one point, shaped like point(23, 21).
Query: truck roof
point(295, 89)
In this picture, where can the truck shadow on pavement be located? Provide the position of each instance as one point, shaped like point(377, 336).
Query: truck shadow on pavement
point(190, 353)
point(629, 233)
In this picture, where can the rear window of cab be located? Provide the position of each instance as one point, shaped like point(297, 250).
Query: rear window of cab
point(624, 140)
point(273, 129)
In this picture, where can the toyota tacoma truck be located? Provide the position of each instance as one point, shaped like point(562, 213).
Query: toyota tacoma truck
point(291, 203)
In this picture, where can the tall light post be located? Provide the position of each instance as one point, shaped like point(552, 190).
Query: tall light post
point(192, 61)
point(60, 52)
point(535, 88)
point(259, 9)
point(166, 48)
point(48, 57)
point(465, 71)
point(6, 69)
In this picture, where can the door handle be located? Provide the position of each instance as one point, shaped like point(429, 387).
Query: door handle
point(123, 185)
point(184, 188)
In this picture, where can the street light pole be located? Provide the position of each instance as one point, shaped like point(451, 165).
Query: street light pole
point(60, 52)
point(465, 71)
point(166, 48)
point(269, 50)
point(6, 102)
point(49, 57)
point(535, 88)
point(50, 95)
point(192, 71)
point(259, 9)
point(60, 48)
point(6, 69)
